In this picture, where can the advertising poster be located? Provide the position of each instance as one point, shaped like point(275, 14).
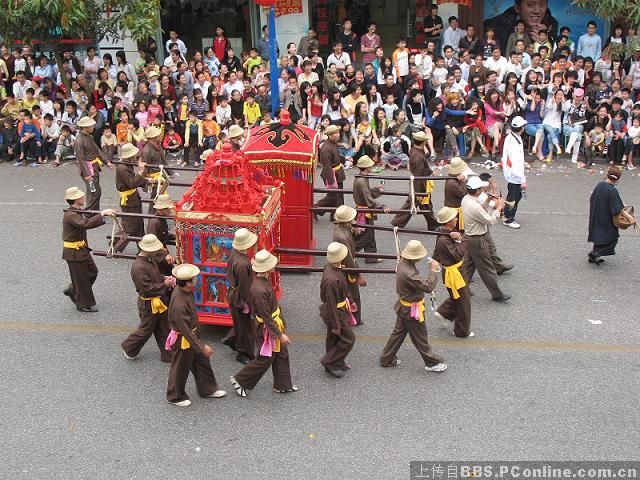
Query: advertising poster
point(502, 16)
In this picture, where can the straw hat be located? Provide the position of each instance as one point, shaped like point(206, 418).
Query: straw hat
point(185, 271)
point(420, 137)
point(414, 250)
point(152, 132)
point(263, 262)
point(163, 201)
point(86, 122)
point(365, 162)
point(73, 193)
point(336, 252)
point(206, 154)
point(344, 214)
point(244, 239)
point(150, 243)
point(152, 74)
point(446, 214)
point(331, 129)
point(235, 131)
point(457, 166)
point(128, 150)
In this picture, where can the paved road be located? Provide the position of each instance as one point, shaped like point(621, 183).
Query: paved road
point(540, 381)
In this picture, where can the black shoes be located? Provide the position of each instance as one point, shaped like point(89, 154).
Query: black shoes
point(69, 293)
point(594, 259)
point(504, 298)
point(242, 358)
point(335, 373)
point(87, 309)
point(505, 269)
point(229, 343)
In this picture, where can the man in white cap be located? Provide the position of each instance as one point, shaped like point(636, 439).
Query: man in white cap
point(410, 309)
point(336, 312)
point(153, 288)
point(449, 252)
point(127, 183)
point(273, 352)
point(364, 197)
point(332, 170)
point(343, 233)
point(189, 352)
point(89, 157)
point(152, 155)
point(513, 169)
point(159, 227)
point(241, 337)
point(76, 251)
point(477, 221)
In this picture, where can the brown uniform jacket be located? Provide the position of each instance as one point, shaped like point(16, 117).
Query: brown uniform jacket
point(333, 290)
point(152, 156)
point(454, 191)
point(448, 252)
point(126, 179)
point(409, 286)
point(86, 150)
point(183, 318)
point(264, 303)
point(74, 229)
point(419, 167)
point(240, 275)
point(160, 228)
point(364, 195)
point(343, 233)
point(147, 277)
point(329, 157)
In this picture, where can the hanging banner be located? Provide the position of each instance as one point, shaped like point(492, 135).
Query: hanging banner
point(287, 7)
point(466, 3)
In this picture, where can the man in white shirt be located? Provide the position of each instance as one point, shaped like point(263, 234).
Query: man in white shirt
point(452, 35)
point(535, 66)
point(232, 84)
point(513, 170)
point(513, 65)
point(497, 63)
point(173, 38)
point(425, 68)
point(477, 221)
point(338, 57)
point(465, 64)
point(21, 85)
point(172, 61)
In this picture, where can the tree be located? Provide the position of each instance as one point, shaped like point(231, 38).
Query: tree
point(629, 10)
point(50, 21)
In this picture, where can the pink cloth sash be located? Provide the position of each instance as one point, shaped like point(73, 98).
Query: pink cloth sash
point(171, 340)
point(90, 168)
point(352, 318)
point(268, 344)
point(415, 310)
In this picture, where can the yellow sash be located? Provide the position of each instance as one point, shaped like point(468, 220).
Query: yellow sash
point(421, 308)
point(124, 196)
point(338, 167)
point(97, 161)
point(428, 190)
point(156, 175)
point(352, 278)
point(279, 323)
point(368, 215)
point(157, 306)
point(453, 279)
point(460, 219)
point(184, 343)
point(75, 245)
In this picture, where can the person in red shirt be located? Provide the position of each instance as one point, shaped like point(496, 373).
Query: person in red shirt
point(221, 44)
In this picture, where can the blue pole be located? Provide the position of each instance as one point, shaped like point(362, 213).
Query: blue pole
point(273, 60)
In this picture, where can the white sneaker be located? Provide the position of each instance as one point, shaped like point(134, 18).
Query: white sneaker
point(515, 225)
point(440, 367)
point(127, 356)
point(444, 323)
point(183, 403)
point(217, 394)
point(471, 335)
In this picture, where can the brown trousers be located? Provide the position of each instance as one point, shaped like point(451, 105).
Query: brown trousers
point(93, 199)
point(83, 276)
point(183, 362)
point(338, 346)
point(354, 293)
point(367, 240)
point(150, 324)
point(401, 219)
point(478, 256)
point(417, 333)
point(331, 200)
point(242, 334)
point(251, 374)
point(458, 311)
point(498, 263)
point(132, 226)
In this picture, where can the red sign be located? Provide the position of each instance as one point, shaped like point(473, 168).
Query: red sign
point(466, 3)
point(286, 7)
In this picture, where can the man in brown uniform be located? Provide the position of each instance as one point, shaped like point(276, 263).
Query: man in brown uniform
point(343, 233)
point(364, 197)
point(189, 352)
point(455, 188)
point(335, 311)
point(76, 251)
point(152, 156)
point(241, 337)
point(163, 207)
point(449, 253)
point(332, 169)
point(410, 309)
point(236, 137)
point(89, 158)
point(419, 167)
point(127, 183)
point(270, 333)
point(153, 293)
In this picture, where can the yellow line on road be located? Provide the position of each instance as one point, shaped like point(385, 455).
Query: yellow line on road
point(368, 339)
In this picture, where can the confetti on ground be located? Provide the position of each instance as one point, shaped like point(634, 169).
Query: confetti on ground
point(312, 436)
point(595, 322)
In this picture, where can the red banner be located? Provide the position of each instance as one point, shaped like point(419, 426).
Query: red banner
point(466, 3)
point(286, 7)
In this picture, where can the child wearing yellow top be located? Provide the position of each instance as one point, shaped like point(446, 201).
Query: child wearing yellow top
point(109, 143)
point(29, 99)
point(251, 111)
point(253, 60)
point(210, 131)
point(193, 139)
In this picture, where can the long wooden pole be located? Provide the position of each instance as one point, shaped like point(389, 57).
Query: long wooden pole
point(123, 214)
point(363, 210)
point(321, 253)
point(165, 167)
point(400, 230)
point(400, 177)
point(137, 239)
point(384, 192)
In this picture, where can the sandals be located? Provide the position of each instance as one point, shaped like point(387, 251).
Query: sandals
point(56, 163)
point(289, 390)
point(240, 390)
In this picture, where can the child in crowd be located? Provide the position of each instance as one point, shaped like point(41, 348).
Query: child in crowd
point(193, 140)
point(182, 115)
point(64, 148)
point(169, 111)
point(155, 109)
point(137, 134)
point(390, 106)
point(619, 139)
point(45, 102)
point(10, 141)
point(172, 143)
point(210, 131)
point(123, 132)
point(251, 111)
point(223, 112)
point(29, 100)
point(109, 143)
point(633, 142)
point(51, 133)
point(142, 115)
point(30, 141)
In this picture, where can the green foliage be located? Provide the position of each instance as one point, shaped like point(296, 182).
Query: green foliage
point(629, 10)
point(53, 20)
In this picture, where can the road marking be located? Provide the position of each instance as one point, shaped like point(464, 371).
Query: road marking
point(368, 339)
